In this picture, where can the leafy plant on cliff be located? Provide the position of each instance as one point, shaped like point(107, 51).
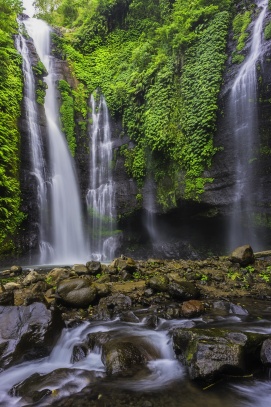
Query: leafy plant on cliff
point(10, 98)
point(67, 114)
point(159, 65)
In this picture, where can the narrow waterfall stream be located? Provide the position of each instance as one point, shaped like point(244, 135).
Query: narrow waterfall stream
point(100, 197)
point(65, 241)
point(35, 139)
point(244, 118)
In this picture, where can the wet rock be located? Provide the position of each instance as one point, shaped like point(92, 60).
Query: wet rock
point(16, 270)
point(79, 352)
point(80, 269)
point(124, 263)
point(58, 274)
point(77, 292)
point(192, 308)
point(266, 352)
point(208, 353)
point(243, 255)
point(32, 277)
point(94, 267)
point(129, 316)
point(51, 386)
point(102, 289)
point(123, 358)
point(27, 332)
point(159, 283)
point(183, 291)
point(237, 309)
point(111, 306)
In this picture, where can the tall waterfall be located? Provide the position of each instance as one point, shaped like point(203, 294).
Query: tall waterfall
point(65, 241)
point(244, 118)
point(100, 197)
point(35, 139)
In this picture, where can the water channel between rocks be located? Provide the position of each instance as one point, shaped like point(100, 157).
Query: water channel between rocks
point(66, 379)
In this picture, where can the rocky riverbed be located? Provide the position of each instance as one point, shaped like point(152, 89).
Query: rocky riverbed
point(199, 302)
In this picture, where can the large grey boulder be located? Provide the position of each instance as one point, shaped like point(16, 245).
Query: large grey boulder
point(208, 353)
point(77, 292)
point(27, 332)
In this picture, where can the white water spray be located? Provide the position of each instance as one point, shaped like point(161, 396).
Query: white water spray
point(244, 116)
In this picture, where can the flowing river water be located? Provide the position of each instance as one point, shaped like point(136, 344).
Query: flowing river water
point(164, 383)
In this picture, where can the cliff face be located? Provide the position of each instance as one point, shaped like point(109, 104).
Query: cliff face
point(193, 228)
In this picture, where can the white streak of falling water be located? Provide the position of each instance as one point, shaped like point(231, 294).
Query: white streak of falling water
point(243, 105)
point(35, 140)
point(67, 237)
point(100, 197)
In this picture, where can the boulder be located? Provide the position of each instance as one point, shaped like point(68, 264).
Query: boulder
point(77, 292)
point(27, 332)
point(80, 269)
point(123, 357)
point(124, 263)
point(159, 283)
point(192, 308)
point(243, 255)
point(94, 267)
point(57, 274)
point(112, 306)
point(183, 291)
point(16, 270)
point(209, 353)
point(32, 277)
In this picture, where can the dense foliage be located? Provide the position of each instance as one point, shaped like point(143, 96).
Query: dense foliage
point(159, 65)
point(10, 97)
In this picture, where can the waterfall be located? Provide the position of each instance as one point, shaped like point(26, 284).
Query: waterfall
point(244, 119)
point(65, 241)
point(35, 140)
point(101, 193)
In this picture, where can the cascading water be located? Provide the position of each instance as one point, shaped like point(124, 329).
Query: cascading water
point(244, 118)
point(100, 196)
point(35, 139)
point(65, 242)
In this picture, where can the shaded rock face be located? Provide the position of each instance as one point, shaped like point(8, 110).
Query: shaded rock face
point(27, 333)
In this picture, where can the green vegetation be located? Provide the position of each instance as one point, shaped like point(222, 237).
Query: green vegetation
point(159, 65)
point(240, 25)
point(10, 98)
point(267, 31)
point(67, 114)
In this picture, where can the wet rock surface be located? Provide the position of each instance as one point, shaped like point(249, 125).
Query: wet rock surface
point(27, 333)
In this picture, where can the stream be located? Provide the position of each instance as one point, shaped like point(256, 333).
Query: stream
point(164, 382)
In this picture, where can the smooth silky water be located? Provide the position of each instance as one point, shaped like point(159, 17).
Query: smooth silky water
point(163, 383)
